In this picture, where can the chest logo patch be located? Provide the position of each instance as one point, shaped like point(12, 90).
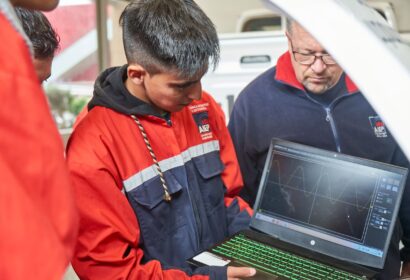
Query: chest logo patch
point(378, 126)
point(202, 121)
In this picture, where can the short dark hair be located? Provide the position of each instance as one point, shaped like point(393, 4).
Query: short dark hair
point(171, 35)
point(43, 37)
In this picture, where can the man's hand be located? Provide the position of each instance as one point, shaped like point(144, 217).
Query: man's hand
point(405, 269)
point(236, 273)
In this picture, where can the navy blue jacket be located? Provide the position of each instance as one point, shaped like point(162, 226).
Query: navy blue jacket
point(276, 105)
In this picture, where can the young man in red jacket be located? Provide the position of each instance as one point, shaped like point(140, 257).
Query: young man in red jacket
point(38, 222)
point(155, 174)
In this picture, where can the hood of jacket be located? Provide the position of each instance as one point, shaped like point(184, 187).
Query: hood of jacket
point(110, 92)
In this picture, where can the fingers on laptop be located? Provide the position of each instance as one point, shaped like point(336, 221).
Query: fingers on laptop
point(236, 273)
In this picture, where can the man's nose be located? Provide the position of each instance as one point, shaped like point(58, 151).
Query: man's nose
point(196, 92)
point(318, 66)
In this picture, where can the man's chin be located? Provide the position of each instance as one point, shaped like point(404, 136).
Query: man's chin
point(316, 88)
point(176, 109)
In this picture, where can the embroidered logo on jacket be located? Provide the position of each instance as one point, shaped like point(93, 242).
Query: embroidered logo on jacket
point(378, 126)
point(202, 121)
point(200, 115)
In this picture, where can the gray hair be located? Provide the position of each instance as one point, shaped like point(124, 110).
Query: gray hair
point(289, 25)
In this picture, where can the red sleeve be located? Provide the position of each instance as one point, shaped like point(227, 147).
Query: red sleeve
point(108, 243)
point(38, 220)
point(231, 175)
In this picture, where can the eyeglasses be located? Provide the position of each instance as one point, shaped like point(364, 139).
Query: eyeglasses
point(309, 58)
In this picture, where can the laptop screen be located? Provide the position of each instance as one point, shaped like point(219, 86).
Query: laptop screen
point(328, 202)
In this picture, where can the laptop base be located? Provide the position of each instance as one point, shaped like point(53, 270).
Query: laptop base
point(274, 261)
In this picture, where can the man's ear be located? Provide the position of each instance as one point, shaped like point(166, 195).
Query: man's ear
point(136, 73)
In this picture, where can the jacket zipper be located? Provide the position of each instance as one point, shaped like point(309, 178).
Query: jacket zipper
point(329, 118)
point(198, 227)
point(197, 220)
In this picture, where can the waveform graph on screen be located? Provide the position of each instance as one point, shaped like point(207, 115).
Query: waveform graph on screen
point(330, 197)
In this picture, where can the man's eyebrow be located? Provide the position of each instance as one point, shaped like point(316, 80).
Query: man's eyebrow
point(309, 51)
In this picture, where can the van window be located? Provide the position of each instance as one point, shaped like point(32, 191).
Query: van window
point(266, 23)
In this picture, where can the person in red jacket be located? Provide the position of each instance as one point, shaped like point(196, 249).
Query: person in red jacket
point(155, 174)
point(38, 220)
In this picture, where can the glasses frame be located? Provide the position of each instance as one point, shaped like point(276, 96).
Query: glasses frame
point(311, 55)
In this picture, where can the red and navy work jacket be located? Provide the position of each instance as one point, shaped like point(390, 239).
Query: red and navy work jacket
point(127, 230)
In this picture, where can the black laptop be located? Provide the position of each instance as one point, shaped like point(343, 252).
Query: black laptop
point(318, 215)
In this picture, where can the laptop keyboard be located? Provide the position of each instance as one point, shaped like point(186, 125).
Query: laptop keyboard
point(278, 262)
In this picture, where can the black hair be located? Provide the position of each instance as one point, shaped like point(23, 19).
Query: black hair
point(43, 37)
point(171, 35)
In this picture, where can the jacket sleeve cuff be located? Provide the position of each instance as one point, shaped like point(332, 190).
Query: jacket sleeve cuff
point(218, 272)
point(237, 220)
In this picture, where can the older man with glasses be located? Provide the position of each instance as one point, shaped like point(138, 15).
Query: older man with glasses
point(308, 98)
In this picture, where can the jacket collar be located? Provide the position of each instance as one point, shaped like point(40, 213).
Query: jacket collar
point(286, 74)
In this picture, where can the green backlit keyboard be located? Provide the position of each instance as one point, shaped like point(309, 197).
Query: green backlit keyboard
point(277, 262)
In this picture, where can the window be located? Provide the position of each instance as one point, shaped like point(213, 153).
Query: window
point(266, 23)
